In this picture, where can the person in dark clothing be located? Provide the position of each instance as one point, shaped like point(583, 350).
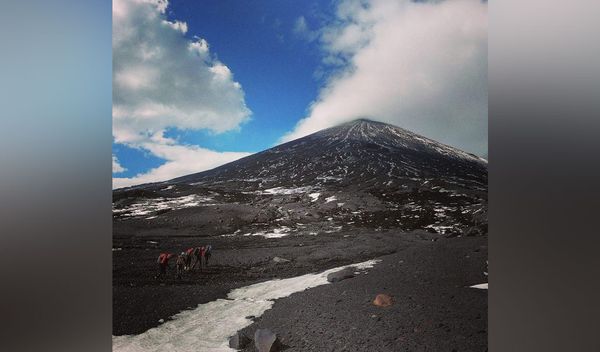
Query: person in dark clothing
point(207, 253)
point(198, 255)
point(163, 263)
point(181, 260)
point(189, 255)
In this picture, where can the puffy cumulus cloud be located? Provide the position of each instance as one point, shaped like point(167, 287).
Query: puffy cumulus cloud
point(419, 65)
point(161, 79)
point(181, 160)
point(116, 167)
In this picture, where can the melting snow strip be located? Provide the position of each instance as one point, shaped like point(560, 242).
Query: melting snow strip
point(150, 206)
point(277, 233)
point(209, 326)
point(282, 190)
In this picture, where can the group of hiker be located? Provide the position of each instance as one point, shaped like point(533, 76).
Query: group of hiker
point(188, 260)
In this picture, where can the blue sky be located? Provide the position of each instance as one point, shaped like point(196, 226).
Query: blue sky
point(200, 83)
point(275, 67)
point(255, 40)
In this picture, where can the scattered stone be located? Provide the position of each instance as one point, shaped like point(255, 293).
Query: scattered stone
point(280, 260)
point(452, 234)
point(383, 300)
point(239, 341)
point(161, 321)
point(266, 341)
point(341, 275)
point(473, 231)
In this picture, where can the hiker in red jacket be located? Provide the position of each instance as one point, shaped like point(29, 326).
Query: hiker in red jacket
point(163, 263)
point(203, 257)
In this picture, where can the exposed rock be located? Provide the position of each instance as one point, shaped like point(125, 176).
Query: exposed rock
point(452, 234)
point(473, 231)
point(239, 341)
point(383, 300)
point(376, 317)
point(266, 341)
point(341, 275)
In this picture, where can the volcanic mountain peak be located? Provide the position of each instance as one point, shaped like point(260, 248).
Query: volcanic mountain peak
point(360, 152)
point(390, 137)
point(361, 172)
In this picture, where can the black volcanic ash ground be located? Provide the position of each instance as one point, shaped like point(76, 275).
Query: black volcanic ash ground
point(355, 192)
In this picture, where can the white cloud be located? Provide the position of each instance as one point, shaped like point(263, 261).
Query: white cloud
point(178, 26)
point(116, 167)
point(421, 66)
point(163, 80)
point(302, 30)
point(181, 160)
point(221, 72)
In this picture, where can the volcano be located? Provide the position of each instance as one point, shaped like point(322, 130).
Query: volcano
point(356, 192)
point(360, 174)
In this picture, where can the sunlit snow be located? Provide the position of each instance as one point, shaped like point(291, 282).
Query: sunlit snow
point(282, 190)
point(209, 326)
point(149, 206)
point(275, 233)
point(314, 196)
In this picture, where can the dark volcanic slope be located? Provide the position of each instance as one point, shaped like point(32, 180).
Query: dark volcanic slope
point(362, 151)
point(358, 191)
point(362, 173)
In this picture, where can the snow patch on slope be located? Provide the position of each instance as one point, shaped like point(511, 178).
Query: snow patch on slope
point(276, 233)
point(330, 199)
point(208, 327)
point(480, 286)
point(149, 206)
point(282, 190)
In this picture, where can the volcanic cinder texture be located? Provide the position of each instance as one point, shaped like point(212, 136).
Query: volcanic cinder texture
point(359, 191)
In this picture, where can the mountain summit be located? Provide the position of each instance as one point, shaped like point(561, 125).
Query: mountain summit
point(361, 173)
point(361, 153)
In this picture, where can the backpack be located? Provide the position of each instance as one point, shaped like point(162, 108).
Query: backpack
point(162, 258)
point(180, 260)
